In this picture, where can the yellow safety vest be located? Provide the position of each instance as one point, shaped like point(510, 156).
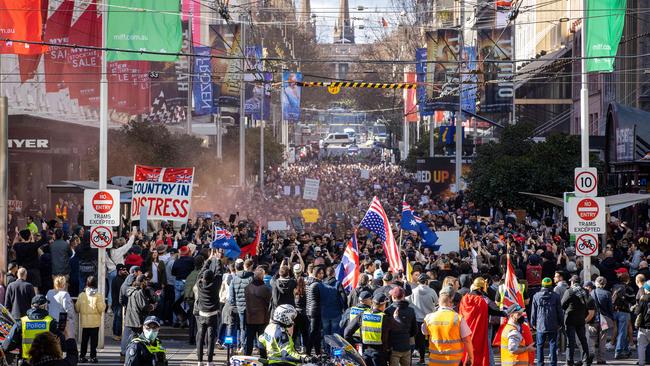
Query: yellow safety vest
point(445, 343)
point(30, 329)
point(508, 358)
point(354, 311)
point(61, 211)
point(371, 327)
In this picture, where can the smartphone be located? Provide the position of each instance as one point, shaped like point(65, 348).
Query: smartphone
point(63, 320)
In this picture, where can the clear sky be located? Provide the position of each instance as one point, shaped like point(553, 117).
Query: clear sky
point(370, 18)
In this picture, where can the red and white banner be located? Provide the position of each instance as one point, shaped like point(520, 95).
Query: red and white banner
point(21, 20)
point(165, 192)
point(57, 30)
point(82, 71)
point(128, 86)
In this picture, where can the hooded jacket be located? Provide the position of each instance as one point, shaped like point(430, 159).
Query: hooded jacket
point(403, 326)
point(126, 285)
point(574, 304)
point(138, 307)
point(282, 291)
point(208, 292)
point(546, 314)
point(237, 289)
point(258, 299)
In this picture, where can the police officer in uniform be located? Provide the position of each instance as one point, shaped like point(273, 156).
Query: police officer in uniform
point(365, 300)
point(146, 349)
point(36, 321)
point(277, 340)
point(375, 327)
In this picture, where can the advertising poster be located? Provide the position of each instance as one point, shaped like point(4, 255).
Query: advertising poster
point(444, 50)
point(165, 192)
point(202, 89)
point(494, 47)
point(470, 80)
point(422, 90)
point(291, 96)
point(224, 40)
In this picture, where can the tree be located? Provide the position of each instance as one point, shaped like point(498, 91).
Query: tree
point(518, 164)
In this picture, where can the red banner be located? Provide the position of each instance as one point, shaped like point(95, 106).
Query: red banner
point(57, 30)
point(21, 20)
point(82, 71)
point(28, 64)
point(410, 99)
point(128, 86)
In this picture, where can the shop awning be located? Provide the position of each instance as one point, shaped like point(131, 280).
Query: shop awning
point(614, 203)
point(78, 186)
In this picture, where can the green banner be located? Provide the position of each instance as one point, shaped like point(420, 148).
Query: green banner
point(605, 21)
point(156, 27)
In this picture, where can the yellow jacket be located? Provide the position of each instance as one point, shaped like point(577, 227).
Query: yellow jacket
point(90, 309)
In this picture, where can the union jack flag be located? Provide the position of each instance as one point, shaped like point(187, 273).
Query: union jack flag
point(153, 177)
point(184, 178)
point(376, 221)
point(220, 234)
point(347, 272)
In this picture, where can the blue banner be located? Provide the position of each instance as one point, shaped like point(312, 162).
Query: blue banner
point(202, 82)
point(448, 135)
point(421, 71)
point(258, 97)
point(470, 80)
point(291, 96)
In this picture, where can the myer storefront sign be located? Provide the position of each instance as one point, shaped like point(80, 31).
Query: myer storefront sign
point(29, 143)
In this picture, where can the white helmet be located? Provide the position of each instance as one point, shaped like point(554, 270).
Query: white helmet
point(285, 315)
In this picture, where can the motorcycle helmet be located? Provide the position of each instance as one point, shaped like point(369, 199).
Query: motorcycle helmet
point(285, 315)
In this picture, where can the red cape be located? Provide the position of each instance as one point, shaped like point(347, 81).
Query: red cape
point(474, 309)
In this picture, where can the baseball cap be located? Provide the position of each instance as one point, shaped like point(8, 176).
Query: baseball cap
point(365, 295)
point(448, 290)
point(514, 308)
point(134, 269)
point(297, 268)
point(547, 282)
point(239, 260)
point(589, 284)
point(423, 278)
point(621, 270)
point(39, 300)
point(380, 298)
point(152, 320)
point(378, 274)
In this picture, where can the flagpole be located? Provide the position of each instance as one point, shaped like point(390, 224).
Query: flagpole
point(103, 155)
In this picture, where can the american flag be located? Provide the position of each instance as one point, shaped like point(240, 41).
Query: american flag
point(347, 271)
point(376, 221)
point(184, 178)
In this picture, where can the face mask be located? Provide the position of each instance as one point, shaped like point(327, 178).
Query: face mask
point(521, 320)
point(151, 335)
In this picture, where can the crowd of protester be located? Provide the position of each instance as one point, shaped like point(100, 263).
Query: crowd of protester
point(172, 273)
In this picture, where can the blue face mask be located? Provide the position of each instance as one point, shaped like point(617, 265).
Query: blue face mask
point(150, 334)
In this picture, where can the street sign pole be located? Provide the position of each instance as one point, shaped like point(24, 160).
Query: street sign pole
point(103, 158)
point(584, 113)
point(459, 117)
point(4, 183)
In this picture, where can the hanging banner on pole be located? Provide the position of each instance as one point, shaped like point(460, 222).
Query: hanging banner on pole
point(494, 47)
point(443, 47)
point(291, 96)
point(470, 80)
point(21, 20)
point(157, 28)
point(167, 192)
point(421, 68)
point(202, 83)
point(258, 97)
point(604, 28)
point(410, 100)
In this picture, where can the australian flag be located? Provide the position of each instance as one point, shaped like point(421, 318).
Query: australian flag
point(347, 273)
point(223, 239)
point(411, 222)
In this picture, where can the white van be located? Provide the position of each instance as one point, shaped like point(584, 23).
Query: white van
point(336, 139)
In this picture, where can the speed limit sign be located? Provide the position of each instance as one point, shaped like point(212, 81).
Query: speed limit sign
point(586, 182)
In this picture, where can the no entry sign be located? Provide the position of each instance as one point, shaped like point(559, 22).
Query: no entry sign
point(586, 182)
point(586, 215)
point(101, 207)
point(101, 237)
point(587, 245)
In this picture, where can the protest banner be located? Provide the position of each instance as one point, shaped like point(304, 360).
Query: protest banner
point(167, 192)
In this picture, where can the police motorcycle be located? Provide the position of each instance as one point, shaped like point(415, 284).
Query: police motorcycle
point(341, 353)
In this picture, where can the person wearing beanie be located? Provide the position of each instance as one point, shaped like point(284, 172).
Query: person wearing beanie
point(476, 308)
point(546, 318)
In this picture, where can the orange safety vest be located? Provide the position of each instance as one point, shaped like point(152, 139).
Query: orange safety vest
point(508, 358)
point(61, 213)
point(445, 343)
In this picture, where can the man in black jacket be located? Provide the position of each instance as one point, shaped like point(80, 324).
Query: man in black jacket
point(574, 304)
point(313, 309)
point(115, 306)
point(19, 295)
point(403, 328)
point(642, 311)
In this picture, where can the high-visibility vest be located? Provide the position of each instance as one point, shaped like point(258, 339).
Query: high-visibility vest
point(30, 329)
point(156, 349)
point(445, 343)
point(354, 312)
point(61, 211)
point(508, 358)
point(371, 327)
point(502, 292)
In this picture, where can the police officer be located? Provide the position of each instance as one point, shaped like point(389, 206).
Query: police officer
point(375, 327)
point(365, 300)
point(36, 321)
point(277, 340)
point(514, 350)
point(146, 349)
point(449, 334)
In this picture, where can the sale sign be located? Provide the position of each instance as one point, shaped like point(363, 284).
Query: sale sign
point(166, 193)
